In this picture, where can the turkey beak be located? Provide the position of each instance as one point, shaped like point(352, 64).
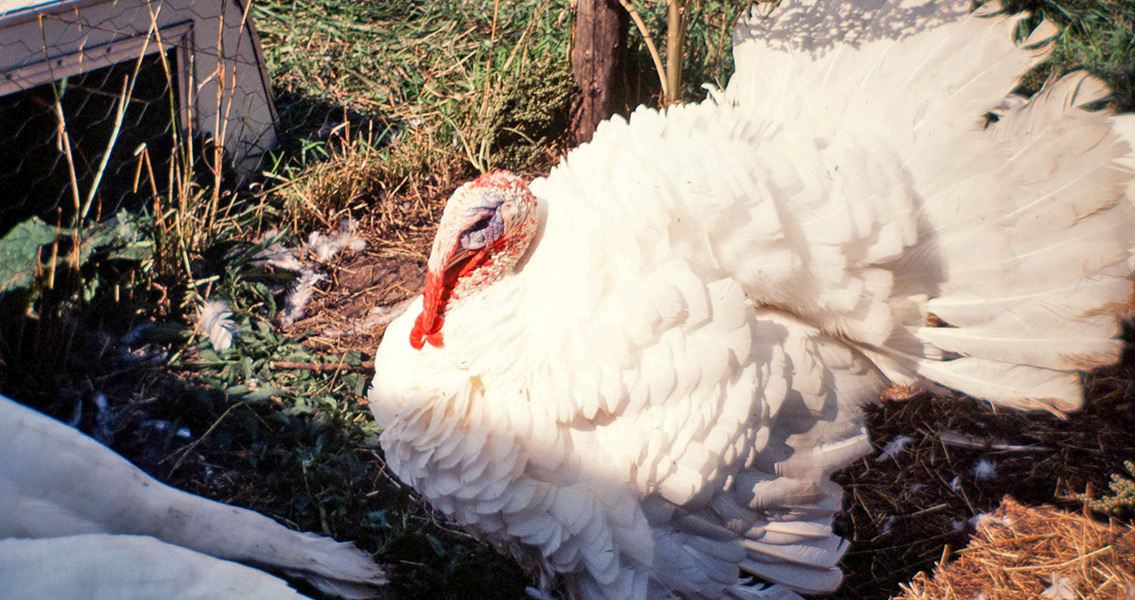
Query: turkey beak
point(454, 263)
point(446, 248)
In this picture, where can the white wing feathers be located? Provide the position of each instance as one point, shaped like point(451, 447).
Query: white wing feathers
point(55, 481)
point(530, 488)
point(126, 567)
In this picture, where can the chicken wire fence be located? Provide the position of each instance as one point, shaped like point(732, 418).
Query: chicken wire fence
point(38, 168)
point(102, 102)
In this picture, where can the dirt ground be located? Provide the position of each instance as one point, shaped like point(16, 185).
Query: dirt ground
point(906, 513)
point(360, 286)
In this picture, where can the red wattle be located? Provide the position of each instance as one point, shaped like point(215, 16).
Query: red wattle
point(419, 335)
point(429, 321)
point(416, 334)
point(427, 326)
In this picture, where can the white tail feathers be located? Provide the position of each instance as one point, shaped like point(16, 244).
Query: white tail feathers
point(1021, 229)
point(1034, 270)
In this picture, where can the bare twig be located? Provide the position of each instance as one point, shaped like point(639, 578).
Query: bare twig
point(675, 43)
point(649, 46)
point(364, 367)
point(954, 438)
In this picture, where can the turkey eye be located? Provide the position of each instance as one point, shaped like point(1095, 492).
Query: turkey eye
point(479, 225)
point(483, 231)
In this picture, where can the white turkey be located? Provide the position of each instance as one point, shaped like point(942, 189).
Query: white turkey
point(637, 374)
point(57, 483)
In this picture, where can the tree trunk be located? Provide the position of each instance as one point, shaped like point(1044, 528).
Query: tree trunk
point(598, 60)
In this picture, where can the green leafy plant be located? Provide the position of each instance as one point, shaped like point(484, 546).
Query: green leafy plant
point(1121, 501)
point(20, 253)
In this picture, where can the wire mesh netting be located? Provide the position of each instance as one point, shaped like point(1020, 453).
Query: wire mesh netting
point(57, 135)
point(97, 97)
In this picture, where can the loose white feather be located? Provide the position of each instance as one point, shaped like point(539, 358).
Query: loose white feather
point(215, 321)
point(325, 247)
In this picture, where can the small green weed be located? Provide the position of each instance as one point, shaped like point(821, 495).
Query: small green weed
point(1121, 501)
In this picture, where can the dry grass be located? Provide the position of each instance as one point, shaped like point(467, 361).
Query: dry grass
point(1018, 552)
point(397, 200)
point(391, 185)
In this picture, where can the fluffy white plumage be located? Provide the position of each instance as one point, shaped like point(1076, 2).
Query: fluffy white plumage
point(114, 532)
point(651, 402)
point(100, 566)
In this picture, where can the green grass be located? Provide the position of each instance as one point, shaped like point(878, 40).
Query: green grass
point(1096, 35)
point(433, 66)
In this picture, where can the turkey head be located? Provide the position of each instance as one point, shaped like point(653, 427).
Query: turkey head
point(487, 226)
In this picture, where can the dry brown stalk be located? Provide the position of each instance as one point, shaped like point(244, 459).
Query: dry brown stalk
point(365, 366)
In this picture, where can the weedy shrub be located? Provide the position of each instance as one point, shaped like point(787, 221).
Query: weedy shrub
point(1121, 501)
point(523, 120)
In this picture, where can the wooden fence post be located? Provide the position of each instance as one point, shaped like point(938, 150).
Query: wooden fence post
point(598, 61)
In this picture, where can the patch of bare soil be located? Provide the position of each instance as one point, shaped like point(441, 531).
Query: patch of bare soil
point(907, 512)
point(360, 296)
